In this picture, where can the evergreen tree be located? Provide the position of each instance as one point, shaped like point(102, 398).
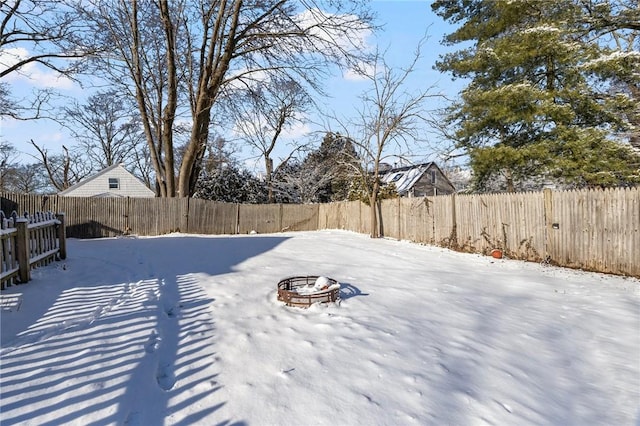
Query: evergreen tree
point(289, 183)
point(531, 109)
point(616, 25)
point(332, 167)
point(229, 183)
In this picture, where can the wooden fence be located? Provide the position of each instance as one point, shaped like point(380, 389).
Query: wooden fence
point(596, 230)
point(27, 242)
point(589, 229)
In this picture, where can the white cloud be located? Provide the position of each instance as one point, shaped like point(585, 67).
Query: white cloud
point(332, 32)
point(31, 73)
point(362, 73)
point(56, 137)
point(248, 128)
point(347, 31)
point(296, 131)
point(344, 30)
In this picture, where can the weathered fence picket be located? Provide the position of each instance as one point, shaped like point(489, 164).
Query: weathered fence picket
point(596, 230)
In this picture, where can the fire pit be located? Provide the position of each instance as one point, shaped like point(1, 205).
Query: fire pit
point(305, 291)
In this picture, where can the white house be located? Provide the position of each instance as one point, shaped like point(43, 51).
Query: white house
point(114, 181)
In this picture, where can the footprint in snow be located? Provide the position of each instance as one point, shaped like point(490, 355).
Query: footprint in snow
point(153, 343)
point(133, 419)
point(166, 377)
point(172, 312)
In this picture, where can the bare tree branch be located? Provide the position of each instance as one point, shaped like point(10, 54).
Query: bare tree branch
point(389, 116)
point(213, 47)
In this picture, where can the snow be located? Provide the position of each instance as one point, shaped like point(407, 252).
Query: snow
point(542, 29)
point(618, 59)
point(322, 282)
point(404, 179)
point(616, 55)
point(187, 329)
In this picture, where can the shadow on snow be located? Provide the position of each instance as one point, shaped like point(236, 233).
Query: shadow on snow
point(138, 349)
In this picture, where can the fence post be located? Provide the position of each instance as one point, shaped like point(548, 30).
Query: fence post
point(188, 215)
point(398, 221)
point(237, 227)
point(548, 222)
point(453, 237)
point(62, 236)
point(127, 213)
point(22, 249)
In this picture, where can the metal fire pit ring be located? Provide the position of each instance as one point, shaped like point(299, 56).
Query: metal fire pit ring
point(289, 291)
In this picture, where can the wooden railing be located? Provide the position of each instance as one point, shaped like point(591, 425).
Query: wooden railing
point(28, 242)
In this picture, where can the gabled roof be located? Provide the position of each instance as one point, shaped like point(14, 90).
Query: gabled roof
point(405, 177)
point(107, 195)
point(89, 179)
point(138, 185)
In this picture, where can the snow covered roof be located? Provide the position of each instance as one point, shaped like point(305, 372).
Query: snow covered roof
point(405, 177)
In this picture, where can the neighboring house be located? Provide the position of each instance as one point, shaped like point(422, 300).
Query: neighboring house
point(114, 181)
point(419, 180)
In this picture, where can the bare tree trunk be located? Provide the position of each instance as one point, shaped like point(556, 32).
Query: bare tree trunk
point(373, 201)
point(169, 110)
point(195, 147)
point(509, 176)
point(210, 80)
point(268, 163)
point(138, 77)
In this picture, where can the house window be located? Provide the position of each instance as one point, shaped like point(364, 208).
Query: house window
point(114, 183)
point(433, 176)
point(397, 177)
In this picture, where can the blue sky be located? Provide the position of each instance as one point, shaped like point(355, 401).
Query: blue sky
point(405, 23)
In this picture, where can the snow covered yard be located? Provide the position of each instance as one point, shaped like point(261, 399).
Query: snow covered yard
point(186, 329)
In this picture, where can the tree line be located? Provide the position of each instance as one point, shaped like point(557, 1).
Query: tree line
point(551, 94)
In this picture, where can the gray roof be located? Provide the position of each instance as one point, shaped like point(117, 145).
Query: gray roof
point(405, 177)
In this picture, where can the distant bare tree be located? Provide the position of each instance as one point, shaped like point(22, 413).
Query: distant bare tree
point(105, 128)
point(8, 157)
point(43, 32)
point(19, 178)
point(177, 58)
point(63, 170)
point(390, 116)
point(30, 179)
point(263, 113)
point(301, 183)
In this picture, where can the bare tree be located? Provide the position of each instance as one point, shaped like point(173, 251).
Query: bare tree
point(323, 175)
point(16, 177)
point(142, 165)
point(177, 58)
point(388, 123)
point(8, 157)
point(43, 32)
point(263, 113)
point(48, 27)
point(62, 170)
point(301, 182)
point(8, 106)
point(105, 128)
point(30, 179)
